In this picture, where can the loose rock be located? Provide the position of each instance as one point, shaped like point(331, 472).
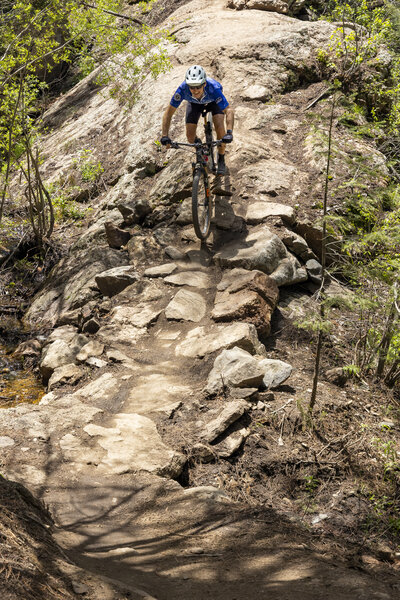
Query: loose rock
point(235, 368)
point(231, 413)
point(275, 372)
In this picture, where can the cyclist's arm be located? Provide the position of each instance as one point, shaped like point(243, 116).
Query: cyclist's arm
point(166, 122)
point(230, 117)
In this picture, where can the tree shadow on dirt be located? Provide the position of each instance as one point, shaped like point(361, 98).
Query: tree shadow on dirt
point(149, 533)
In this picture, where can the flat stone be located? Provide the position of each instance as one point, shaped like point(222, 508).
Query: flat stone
point(70, 373)
point(133, 444)
point(203, 453)
point(235, 368)
point(92, 361)
point(231, 413)
point(186, 306)
point(256, 92)
point(92, 348)
point(174, 253)
point(259, 211)
point(128, 334)
point(191, 278)
point(184, 212)
point(224, 216)
point(6, 441)
point(104, 387)
point(275, 372)
point(269, 176)
point(279, 6)
point(207, 493)
point(160, 270)
point(156, 392)
point(243, 393)
point(139, 315)
point(205, 340)
point(116, 356)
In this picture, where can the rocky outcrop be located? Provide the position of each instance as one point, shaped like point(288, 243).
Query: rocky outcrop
point(249, 296)
point(262, 250)
point(284, 7)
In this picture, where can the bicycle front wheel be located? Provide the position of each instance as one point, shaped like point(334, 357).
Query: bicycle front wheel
point(201, 204)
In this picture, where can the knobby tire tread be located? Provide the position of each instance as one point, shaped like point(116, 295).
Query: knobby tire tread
point(201, 231)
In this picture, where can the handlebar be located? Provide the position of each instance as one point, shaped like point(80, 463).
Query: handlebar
point(214, 143)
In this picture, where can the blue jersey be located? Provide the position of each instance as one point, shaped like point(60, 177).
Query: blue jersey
point(212, 93)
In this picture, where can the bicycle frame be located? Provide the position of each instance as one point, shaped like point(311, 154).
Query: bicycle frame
point(204, 163)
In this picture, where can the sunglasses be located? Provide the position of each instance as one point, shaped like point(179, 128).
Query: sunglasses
point(195, 87)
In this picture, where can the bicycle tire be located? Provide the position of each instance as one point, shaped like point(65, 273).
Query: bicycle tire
point(201, 204)
point(208, 130)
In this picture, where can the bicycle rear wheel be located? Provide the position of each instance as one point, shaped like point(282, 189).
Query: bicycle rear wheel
point(201, 204)
point(208, 130)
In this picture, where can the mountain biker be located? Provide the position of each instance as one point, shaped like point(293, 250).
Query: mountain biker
point(201, 92)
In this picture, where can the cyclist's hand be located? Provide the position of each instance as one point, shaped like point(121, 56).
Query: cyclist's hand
point(228, 137)
point(166, 141)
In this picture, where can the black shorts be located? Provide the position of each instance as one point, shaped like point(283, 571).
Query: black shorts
point(193, 111)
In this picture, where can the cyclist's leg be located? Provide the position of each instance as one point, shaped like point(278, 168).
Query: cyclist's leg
point(219, 125)
point(193, 112)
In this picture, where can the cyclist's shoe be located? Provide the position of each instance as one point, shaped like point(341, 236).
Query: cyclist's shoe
point(221, 168)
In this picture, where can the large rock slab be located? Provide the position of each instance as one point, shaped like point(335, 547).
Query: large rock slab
point(133, 444)
point(283, 7)
point(205, 340)
point(270, 177)
point(249, 296)
point(264, 251)
point(235, 368)
point(156, 392)
point(260, 211)
point(186, 306)
point(113, 281)
point(101, 390)
point(71, 284)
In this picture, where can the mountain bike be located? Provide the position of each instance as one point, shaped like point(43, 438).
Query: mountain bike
point(205, 163)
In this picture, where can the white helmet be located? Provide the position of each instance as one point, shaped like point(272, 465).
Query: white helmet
point(195, 76)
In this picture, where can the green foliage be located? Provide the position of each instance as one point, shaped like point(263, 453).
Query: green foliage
point(36, 37)
point(362, 56)
point(90, 168)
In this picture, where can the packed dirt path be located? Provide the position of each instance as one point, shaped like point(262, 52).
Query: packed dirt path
point(94, 449)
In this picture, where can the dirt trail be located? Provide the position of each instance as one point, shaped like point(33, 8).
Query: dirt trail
point(112, 478)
